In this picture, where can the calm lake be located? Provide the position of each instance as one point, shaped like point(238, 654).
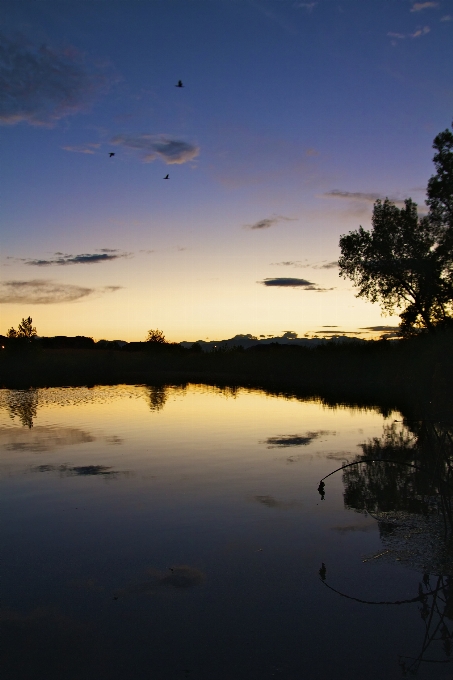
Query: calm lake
point(178, 533)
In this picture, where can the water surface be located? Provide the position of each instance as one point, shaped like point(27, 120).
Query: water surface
point(168, 532)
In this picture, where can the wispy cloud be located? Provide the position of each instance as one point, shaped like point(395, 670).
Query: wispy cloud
point(419, 6)
point(165, 148)
point(299, 264)
point(46, 291)
point(40, 85)
point(363, 197)
point(416, 34)
point(284, 282)
point(447, 17)
point(291, 263)
point(420, 31)
point(83, 148)
point(269, 222)
point(62, 259)
point(309, 6)
point(326, 265)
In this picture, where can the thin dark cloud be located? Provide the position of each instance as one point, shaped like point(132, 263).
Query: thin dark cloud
point(46, 292)
point(380, 328)
point(358, 197)
point(327, 265)
point(40, 85)
point(286, 282)
point(170, 151)
point(291, 263)
point(283, 441)
point(304, 264)
point(61, 259)
point(337, 333)
point(352, 195)
point(269, 222)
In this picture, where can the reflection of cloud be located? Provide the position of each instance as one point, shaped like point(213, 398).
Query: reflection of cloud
point(271, 502)
point(42, 438)
point(340, 455)
point(84, 258)
point(44, 643)
point(284, 440)
point(46, 291)
point(355, 527)
point(151, 147)
point(178, 578)
point(419, 6)
point(269, 222)
point(284, 282)
point(80, 470)
point(40, 85)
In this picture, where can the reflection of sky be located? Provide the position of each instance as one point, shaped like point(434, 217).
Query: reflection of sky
point(293, 118)
point(211, 542)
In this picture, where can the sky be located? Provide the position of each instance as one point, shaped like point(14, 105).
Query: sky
point(293, 118)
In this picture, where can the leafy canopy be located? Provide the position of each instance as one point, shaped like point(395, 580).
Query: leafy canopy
point(405, 262)
point(24, 330)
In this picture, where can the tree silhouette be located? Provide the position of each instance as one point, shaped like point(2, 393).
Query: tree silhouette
point(156, 336)
point(25, 330)
point(405, 262)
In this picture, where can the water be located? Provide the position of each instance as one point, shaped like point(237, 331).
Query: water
point(174, 533)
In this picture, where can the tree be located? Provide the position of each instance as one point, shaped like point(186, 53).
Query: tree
point(406, 262)
point(25, 330)
point(156, 336)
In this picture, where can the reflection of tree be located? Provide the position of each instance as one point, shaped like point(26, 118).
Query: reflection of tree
point(407, 471)
point(405, 481)
point(24, 405)
point(158, 395)
point(436, 610)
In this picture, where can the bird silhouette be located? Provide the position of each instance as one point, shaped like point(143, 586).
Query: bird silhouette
point(167, 177)
point(179, 84)
point(112, 153)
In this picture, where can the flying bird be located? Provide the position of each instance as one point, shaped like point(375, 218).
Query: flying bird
point(167, 177)
point(179, 84)
point(112, 153)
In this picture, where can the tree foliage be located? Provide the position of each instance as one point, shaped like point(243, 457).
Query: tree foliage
point(405, 262)
point(156, 336)
point(24, 330)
